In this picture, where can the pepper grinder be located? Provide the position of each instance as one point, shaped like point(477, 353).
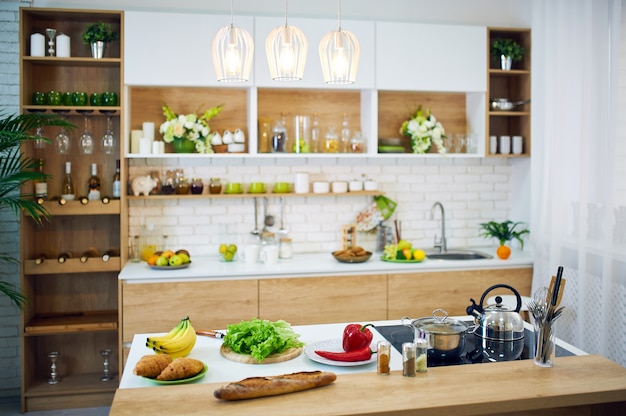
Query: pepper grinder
point(54, 379)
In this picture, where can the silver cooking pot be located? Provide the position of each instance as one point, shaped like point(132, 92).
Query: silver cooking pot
point(446, 336)
point(504, 104)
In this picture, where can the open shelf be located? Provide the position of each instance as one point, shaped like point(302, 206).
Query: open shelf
point(60, 323)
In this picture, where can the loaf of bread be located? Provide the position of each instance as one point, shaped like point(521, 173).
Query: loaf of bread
point(151, 365)
point(181, 368)
point(253, 387)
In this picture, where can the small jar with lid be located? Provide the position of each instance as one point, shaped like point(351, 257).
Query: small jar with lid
point(268, 238)
point(182, 186)
point(215, 186)
point(197, 186)
point(331, 141)
point(357, 143)
point(285, 248)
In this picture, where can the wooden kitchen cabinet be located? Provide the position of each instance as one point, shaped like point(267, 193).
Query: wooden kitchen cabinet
point(419, 294)
point(304, 300)
point(515, 85)
point(73, 306)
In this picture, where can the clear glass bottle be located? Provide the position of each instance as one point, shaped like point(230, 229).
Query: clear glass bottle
point(93, 184)
point(279, 136)
point(41, 185)
point(331, 141)
point(265, 134)
point(67, 187)
point(345, 134)
point(302, 133)
point(116, 190)
point(315, 134)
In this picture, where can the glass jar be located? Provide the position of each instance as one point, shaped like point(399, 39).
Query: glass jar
point(357, 143)
point(302, 134)
point(285, 248)
point(265, 134)
point(182, 186)
point(197, 186)
point(215, 186)
point(169, 183)
point(279, 136)
point(331, 141)
point(268, 238)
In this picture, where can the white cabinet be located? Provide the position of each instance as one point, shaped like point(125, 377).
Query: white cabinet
point(315, 30)
point(174, 48)
point(427, 57)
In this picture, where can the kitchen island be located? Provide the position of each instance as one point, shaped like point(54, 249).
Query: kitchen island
point(582, 384)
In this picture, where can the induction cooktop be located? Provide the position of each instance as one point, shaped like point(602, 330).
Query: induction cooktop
point(474, 352)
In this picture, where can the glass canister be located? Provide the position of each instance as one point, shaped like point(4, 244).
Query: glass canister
point(279, 136)
point(268, 238)
point(197, 186)
point(331, 141)
point(169, 183)
point(182, 186)
point(302, 134)
point(265, 134)
point(215, 186)
point(285, 248)
point(357, 143)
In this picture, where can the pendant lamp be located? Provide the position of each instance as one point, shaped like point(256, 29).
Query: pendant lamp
point(286, 49)
point(232, 49)
point(339, 55)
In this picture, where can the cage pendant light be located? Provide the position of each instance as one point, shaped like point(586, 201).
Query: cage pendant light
point(232, 49)
point(286, 49)
point(339, 55)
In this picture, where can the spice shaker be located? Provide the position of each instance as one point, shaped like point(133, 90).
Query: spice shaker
point(384, 354)
point(421, 355)
point(408, 359)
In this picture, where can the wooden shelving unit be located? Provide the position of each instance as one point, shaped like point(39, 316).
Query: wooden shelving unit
point(73, 306)
point(513, 84)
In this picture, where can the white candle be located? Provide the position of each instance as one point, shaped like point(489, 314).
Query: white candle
point(518, 145)
point(156, 149)
point(135, 135)
point(37, 44)
point(148, 130)
point(144, 146)
point(63, 46)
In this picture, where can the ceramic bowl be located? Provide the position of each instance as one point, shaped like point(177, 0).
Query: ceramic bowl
point(233, 188)
point(321, 187)
point(355, 186)
point(340, 187)
point(256, 188)
point(281, 187)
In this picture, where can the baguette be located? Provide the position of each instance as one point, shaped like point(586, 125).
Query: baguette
point(254, 387)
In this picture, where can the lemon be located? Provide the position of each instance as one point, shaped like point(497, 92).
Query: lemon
point(184, 258)
point(419, 255)
point(223, 248)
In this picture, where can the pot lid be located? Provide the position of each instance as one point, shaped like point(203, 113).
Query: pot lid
point(440, 323)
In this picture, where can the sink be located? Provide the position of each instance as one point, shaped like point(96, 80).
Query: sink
point(459, 255)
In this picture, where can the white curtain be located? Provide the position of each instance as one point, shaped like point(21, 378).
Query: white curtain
point(578, 217)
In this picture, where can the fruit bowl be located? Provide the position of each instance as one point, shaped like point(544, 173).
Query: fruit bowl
point(180, 266)
point(343, 258)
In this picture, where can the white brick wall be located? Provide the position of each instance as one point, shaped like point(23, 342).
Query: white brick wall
point(471, 190)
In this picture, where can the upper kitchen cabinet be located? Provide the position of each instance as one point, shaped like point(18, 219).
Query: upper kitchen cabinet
point(178, 56)
point(315, 30)
point(514, 86)
point(426, 57)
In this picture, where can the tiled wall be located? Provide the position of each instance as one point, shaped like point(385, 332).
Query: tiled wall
point(472, 190)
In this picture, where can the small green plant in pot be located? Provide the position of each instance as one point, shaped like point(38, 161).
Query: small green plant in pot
point(97, 35)
point(507, 51)
point(503, 232)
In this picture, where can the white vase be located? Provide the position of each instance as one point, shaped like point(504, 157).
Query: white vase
point(97, 49)
point(505, 62)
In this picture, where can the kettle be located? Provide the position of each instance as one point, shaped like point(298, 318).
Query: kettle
point(498, 322)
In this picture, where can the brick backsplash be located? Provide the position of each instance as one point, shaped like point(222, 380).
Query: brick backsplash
point(472, 190)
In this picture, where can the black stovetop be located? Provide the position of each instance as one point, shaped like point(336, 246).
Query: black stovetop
point(473, 352)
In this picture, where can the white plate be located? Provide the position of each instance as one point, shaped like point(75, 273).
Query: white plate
point(332, 345)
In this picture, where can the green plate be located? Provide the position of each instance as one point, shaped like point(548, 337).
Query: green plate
point(391, 149)
point(401, 261)
point(182, 381)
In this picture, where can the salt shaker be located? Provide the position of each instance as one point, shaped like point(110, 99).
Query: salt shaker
point(408, 359)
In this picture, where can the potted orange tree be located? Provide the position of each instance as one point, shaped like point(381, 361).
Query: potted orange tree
point(503, 232)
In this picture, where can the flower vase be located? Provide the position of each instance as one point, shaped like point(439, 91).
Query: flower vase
point(184, 146)
point(506, 62)
point(97, 49)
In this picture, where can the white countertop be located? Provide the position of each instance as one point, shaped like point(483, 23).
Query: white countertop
point(221, 369)
point(312, 264)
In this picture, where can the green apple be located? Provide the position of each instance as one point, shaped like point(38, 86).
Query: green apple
point(162, 261)
point(229, 256)
point(232, 248)
point(176, 260)
point(184, 257)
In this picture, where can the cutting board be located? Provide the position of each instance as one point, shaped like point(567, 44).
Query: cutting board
point(287, 355)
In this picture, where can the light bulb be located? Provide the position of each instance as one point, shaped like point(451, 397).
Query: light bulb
point(232, 59)
point(286, 58)
point(340, 63)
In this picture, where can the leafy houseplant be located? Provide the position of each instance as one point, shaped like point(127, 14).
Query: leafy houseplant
point(503, 232)
point(507, 47)
point(16, 169)
point(99, 32)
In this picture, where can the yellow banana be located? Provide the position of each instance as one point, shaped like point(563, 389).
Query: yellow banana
point(181, 353)
point(153, 341)
point(180, 345)
point(172, 332)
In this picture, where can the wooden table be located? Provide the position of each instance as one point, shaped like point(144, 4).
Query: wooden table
point(580, 385)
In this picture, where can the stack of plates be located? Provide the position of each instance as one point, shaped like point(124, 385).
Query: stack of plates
point(391, 145)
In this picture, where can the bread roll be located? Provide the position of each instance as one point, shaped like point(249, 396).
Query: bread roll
point(253, 387)
point(181, 368)
point(151, 365)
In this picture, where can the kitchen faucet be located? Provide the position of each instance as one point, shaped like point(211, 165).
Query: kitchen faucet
point(441, 244)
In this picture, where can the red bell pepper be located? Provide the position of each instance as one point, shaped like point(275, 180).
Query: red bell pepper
point(362, 354)
point(356, 336)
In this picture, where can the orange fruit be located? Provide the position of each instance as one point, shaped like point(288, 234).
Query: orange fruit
point(168, 254)
point(503, 252)
point(153, 259)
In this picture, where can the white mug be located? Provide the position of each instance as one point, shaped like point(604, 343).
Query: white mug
point(518, 146)
point(493, 145)
point(505, 145)
point(269, 254)
point(250, 253)
point(239, 136)
point(227, 137)
point(301, 183)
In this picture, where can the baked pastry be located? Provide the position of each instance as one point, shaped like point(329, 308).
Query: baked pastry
point(181, 368)
point(151, 365)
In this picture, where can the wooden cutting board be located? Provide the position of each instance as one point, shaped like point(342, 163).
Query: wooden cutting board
point(287, 355)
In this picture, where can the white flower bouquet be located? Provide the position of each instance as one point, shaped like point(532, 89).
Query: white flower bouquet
point(190, 127)
point(424, 130)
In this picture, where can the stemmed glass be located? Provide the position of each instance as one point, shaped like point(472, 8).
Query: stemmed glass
point(86, 140)
point(54, 376)
point(106, 376)
point(62, 141)
point(40, 141)
point(108, 140)
point(51, 34)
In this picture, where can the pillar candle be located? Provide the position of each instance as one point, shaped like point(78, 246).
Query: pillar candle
point(144, 146)
point(37, 44)
point(63, 46)
point(135, 135)
point(148, 130)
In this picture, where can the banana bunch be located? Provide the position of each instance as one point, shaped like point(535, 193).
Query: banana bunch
point(177, 343)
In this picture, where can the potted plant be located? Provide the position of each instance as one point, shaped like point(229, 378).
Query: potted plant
point(503, 232)
point(507, 51)
point(97, 35)
point(16, 169)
